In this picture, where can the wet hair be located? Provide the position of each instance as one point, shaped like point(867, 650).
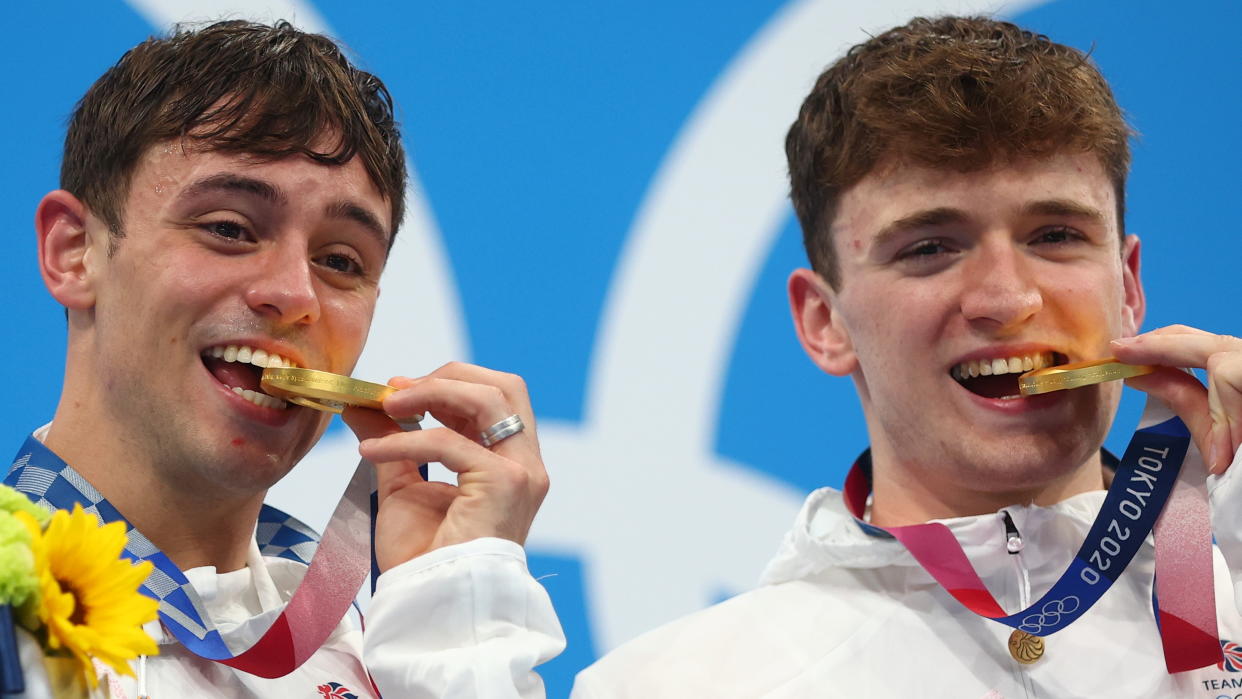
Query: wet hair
point(236, 87)
point(956, 93)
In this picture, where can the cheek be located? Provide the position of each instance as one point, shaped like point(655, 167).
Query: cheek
point(896, 326)
point(185, 275)
point(349, 322)
point(1091, 305)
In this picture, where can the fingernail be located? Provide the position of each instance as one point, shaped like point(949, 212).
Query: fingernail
point(367, 443)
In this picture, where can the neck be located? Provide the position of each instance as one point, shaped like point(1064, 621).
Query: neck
point(183, 519)
point(904, 494)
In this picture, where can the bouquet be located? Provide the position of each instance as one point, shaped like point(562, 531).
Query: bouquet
point(64, 582)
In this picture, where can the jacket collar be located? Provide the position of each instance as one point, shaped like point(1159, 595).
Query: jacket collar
point(825, 535)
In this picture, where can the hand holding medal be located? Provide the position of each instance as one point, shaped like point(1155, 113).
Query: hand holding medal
point(480, 440)
point(1213, 413)
point(487, 439)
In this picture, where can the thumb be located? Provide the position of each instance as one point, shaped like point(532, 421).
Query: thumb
point(1182, 392)
point(369, 424)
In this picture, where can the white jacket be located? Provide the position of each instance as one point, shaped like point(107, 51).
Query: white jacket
point(462, 621)
point(841, 613)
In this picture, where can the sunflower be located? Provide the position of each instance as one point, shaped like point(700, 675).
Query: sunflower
point(89, 601)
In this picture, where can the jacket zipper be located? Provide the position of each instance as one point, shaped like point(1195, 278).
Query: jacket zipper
point(1014, 545)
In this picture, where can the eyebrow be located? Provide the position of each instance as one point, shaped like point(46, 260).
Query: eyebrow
point(343, 209)
point(1064, 207)
point(228, 182)
point(359, 214)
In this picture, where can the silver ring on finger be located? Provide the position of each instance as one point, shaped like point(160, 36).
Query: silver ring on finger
point(502, 430)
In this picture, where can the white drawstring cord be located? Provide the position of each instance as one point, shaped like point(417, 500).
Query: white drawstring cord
point(142, 677)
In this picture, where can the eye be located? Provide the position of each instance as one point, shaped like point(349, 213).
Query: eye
point(229, 230)
point(1057, 235)
point(924, 249)
point(343, 263)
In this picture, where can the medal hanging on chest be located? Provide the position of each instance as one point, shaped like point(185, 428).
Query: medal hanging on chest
point(1160, 479)
point(1025, 648)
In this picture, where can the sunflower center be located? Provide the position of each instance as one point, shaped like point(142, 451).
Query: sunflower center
point(78, 617)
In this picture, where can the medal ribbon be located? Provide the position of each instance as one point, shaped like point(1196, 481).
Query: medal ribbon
point(339, 564)
point(1160, 464)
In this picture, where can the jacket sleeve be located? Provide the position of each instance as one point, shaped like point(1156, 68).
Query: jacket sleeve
point(587, 686)
point(463, 621)
point(1226, 495)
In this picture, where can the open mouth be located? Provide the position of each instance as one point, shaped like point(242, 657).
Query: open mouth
point(240, 367)
point(998, 377)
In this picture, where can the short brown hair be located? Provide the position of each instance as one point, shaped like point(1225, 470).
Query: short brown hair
point(958, 93)
point(233, 86)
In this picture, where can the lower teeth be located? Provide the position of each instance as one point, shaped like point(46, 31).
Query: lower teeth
point(260, 399)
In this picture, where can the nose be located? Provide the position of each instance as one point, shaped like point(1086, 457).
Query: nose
point(283, 287)
point(1000, 287)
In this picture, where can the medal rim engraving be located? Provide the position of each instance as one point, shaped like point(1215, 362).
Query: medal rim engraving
point(323, 390)
point(1077, 375)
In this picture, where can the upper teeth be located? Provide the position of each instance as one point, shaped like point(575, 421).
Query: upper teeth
point(249, 355)
point(1003, 365)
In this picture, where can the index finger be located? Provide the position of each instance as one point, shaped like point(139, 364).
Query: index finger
point(1181, 348)
point(471, 400)
point(511, 386)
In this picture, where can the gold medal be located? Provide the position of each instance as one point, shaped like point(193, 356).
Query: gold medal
point(1056, 378)
point(1025, 648)
point(323, 390)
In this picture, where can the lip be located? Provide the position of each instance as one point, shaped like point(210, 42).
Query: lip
point(271, 417)
point(1012, 406)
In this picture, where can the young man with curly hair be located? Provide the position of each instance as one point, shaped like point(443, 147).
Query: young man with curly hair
point(960, 184)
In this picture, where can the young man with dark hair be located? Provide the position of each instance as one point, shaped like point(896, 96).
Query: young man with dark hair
point(960, 186)
point(230, 196)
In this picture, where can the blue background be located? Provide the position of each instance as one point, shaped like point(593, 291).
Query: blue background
point(545, 123)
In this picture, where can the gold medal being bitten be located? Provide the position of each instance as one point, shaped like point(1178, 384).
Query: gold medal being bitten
point(1057, 378)
point(1025, 648)
point(323, 390)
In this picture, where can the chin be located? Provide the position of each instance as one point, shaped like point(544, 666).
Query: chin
point(246, 478)
point(1025, 464)
point(241, 468)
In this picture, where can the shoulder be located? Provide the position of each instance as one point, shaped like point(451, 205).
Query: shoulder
point(746, 646)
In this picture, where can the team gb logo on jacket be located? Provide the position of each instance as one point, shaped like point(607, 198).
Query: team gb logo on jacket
point(335, 690)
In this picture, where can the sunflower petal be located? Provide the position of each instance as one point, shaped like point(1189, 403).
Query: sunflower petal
point(89, 595)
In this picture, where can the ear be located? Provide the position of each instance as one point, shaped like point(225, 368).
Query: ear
point(1135, 301)
point(66, 249)
point(821, 330)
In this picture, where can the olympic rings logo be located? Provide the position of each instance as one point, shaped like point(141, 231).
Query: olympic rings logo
point(1050, 614)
